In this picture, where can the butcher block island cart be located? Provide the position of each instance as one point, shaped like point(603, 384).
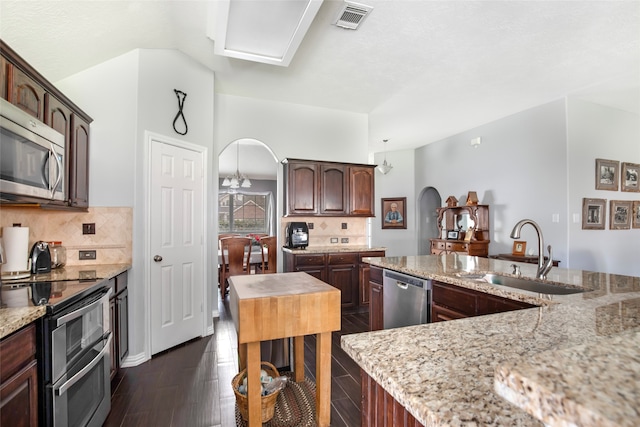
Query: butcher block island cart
point(571, 360)
point(283, 305)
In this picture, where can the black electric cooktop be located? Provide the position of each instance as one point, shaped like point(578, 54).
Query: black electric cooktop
point(56, 295)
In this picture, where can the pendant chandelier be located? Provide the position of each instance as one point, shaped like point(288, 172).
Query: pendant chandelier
point(237, 180)
point(385, 167)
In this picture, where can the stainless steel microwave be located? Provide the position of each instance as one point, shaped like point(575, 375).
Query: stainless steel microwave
point(32, 157)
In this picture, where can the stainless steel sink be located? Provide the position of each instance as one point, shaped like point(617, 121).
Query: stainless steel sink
point(530, 285)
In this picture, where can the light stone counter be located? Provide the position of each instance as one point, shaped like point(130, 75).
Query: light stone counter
point(446, 373)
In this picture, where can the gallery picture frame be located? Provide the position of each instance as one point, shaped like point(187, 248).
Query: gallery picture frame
point(400, 221)
point(630, 177)
point(594, 214)
point(620, 214)
point(607, 172)
point(635, 220)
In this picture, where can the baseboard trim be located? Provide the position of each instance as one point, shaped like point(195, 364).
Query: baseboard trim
point(134, 360)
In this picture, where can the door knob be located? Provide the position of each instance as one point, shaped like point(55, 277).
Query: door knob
point(157, 258)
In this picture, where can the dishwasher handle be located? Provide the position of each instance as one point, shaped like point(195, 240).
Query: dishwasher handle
point(402, 285)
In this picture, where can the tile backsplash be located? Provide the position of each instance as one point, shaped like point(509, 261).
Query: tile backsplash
point(326, 228)
point(112, 240)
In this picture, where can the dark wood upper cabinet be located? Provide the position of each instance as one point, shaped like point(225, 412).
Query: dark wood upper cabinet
point(301, 183)
point(4, 78)
point(361, 190)
point(79, 163)
point(27, 94)
point(314, 188)
point(24, 87)
point(333, 191)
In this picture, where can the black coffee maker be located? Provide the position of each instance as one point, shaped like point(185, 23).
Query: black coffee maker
point(40, 258)
point(297, 235)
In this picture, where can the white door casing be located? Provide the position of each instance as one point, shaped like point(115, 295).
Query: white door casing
point(176, 242)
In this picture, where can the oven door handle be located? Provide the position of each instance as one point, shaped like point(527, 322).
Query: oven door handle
point(81, 311)
point(59, 391)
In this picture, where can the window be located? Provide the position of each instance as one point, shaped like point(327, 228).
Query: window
point(243, 213)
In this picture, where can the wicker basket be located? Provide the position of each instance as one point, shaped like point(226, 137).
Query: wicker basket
point(268, 401)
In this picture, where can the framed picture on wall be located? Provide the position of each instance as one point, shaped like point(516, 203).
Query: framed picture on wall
point(394, 213)
point(635, 221)
point(594, 214)
point(629, 177)
point(620, 215)
point(607, 174)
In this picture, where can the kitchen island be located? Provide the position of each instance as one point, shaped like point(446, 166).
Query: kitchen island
point(457, 372)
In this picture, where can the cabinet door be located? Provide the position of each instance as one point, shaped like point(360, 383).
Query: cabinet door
point(4, 78)
point(113, 317)
point(27, 94)
point(19, 398)
point(122, 307)
point(302, 191)
point(79, 163)
point(333, 189)
point(361, 191)
point(441, 314)
point(363, 280)
point(315, 271)
point(376, 320)
point(345, 278)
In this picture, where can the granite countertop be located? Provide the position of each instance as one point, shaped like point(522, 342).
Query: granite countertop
point(332, 249)
point(14, 318)
point(457, 372)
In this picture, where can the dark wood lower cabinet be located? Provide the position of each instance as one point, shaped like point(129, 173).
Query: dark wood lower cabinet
point(376, 320)
point(450, 302)
point(118, 304)
point(380, 409)
point(19, 379)
point(343, 270)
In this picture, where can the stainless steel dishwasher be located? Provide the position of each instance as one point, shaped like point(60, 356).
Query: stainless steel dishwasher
point(406, 300)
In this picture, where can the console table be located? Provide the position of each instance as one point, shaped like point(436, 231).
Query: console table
point(520, 258)
point(282, 305)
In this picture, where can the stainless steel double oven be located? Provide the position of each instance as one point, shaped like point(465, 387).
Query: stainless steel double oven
point(75, 343)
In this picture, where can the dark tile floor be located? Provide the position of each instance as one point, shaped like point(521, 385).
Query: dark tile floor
point(190, 385)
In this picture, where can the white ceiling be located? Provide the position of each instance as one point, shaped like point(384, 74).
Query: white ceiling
point(423, 70)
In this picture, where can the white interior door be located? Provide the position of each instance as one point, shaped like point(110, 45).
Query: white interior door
point(176, 245)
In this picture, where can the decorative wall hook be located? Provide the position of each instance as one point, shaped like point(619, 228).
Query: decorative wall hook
point(181, 97)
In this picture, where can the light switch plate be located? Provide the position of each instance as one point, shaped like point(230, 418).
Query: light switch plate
point(344, 240)
point(334, 240)
point(89, 228)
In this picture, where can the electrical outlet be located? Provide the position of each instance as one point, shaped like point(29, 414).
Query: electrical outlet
point(87, 255)
point(344, 225)
point(310, 225)
point(334, 240)
point(344, 240)
point(89, 228)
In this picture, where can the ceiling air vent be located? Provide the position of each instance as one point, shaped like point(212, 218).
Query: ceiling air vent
point(352, 14)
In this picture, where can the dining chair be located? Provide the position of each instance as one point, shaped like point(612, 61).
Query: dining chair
point(236, 255)
point(270, 259)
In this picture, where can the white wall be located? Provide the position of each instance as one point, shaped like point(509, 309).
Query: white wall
point(399, 182)
point(518, 170)
point(534, 164)
point(599, 132)
point(127, 96)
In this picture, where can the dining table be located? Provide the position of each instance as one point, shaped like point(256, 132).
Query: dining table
point(255, 258)
point(282, 305)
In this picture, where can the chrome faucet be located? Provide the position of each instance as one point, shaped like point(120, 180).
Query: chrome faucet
point(543, 267)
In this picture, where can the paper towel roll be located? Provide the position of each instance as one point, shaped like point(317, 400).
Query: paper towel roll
point(16, 249)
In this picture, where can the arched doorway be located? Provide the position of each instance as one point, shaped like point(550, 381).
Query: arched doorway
point(247, 188)
point(428, 201)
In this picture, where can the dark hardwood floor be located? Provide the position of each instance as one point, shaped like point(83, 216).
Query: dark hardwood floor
point(190, 385)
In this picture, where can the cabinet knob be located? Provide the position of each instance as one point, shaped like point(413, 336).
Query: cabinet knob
point(157, 258)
